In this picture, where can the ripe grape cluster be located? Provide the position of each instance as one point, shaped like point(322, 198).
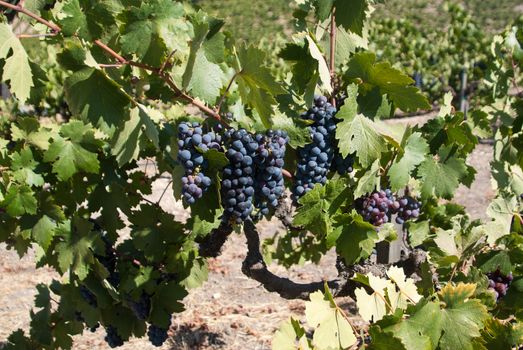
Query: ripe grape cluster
point(409, 208)
point(315, 159)
point(269, 185)
point(112, 337)
point(499, 283)
point(342, 165)
point(238, 175)
point(157, 335)
point(192, 141)
point(88, 296)
point(142, 307)
point(377, 207)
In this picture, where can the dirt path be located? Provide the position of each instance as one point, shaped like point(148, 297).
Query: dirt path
point(230, 311)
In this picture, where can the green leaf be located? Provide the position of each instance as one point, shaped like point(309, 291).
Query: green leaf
point(134, 135)
point(207, 79)
point(369, 181)
point(463, 316)
point(149, 29)
point(85, 19)
point(70, 157)
point(356, 239)
point(352, 17)
point(43, 232)
point(75, 251)
point(415, 150)
point(23, 166)
point(441, 179)
point(357, 134)
point(16, 68)
point(20, 200)
point(256, 85)
point(91, 94)
point(390, 81)
point(323, 68)
point(288, 334)
point(501, 335)
point(318, 205)
point(29, 130)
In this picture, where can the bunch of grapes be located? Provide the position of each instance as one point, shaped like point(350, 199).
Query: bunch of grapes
point(157, 335)
point(499, 283)
point(377, 207)
point(192, 142)
point(269, 185)
point(142, 307)
point(315, 159)
point(342, 165)
point(112, 338)
point(109, 261)
point(88, 296)
point(238, 175)
point(408, 209)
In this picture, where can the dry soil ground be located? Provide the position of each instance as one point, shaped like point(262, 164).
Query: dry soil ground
point(230, 311)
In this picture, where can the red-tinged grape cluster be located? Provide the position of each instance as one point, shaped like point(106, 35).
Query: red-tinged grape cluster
point(157, 335)
point(377, 207)
point(192, 143)
point(112, 338)
point(409, 208)
point(269, 184)
point(238, 176)
point(499, 283)
point(315, 159)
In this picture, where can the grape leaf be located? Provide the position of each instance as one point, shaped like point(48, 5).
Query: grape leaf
point(352, 17)
point(85, 19)
point(16, 68)
point(203, 76)
point(43, 232)
point(288, 334)
point(19, 200)
point(68, 154)
point(318, 205)
point(323, 68)
point(500, 335)
point(134, 135)
point(390, 81)
point(75, 251)
point(23, 166)
point(415, 149)
point(91, 94)
point(372, 307)
point(355, 238)
point(29, 130)
point(256, 85)
point(149, 28)
point(463, 317)
point(441, 178)
point(332, 330)
point(406, 287)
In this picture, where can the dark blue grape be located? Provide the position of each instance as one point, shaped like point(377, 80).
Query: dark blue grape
point(269, 185)
point(315, 159)
point(112, 338)
point(408, 208)
point(157, 335)
point(238, 182)
point(88, 296)
point(499, 283)
point(192, 141)
point(142, 307)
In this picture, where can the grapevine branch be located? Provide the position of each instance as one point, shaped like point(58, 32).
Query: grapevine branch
point(211, 245)
point(254, 267)
point(121, 60)
point(333, 51)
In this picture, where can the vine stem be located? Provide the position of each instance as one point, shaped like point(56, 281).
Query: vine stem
point(26, 12)
point(332, 55)
point(158, 71)
point(227, 90)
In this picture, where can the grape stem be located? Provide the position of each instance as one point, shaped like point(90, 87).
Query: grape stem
point(121, 60)
point(222, 99)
